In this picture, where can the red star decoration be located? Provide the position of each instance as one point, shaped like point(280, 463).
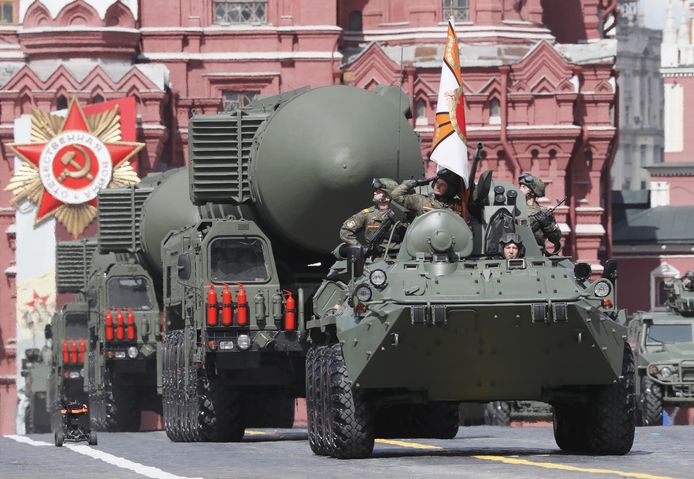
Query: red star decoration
point(75, 121)
point(36, 299)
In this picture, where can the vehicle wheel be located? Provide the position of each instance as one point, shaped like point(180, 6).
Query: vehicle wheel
point(92, 438)
point(569, 427)
point(611, 424)
point(439, 420)
point(28, 420)
point(314, 412)
point(220, 409)
point(497, 413)
point(168, 375)
point(650, 403)
point(59, 438)
point(121, 406)
point(349, 420)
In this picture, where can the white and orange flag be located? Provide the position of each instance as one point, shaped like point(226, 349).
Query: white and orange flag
point(449, 145)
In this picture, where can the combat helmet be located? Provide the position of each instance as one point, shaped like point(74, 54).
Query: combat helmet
point(514, 238)
point(451, 179)
point(535, 184)
point(384, 184)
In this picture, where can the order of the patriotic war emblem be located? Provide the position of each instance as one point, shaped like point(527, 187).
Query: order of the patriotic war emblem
point(67, 162)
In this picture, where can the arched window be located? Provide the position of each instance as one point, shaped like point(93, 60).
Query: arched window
point(458, 9)
point(421, 113)
point(494, 112)
point(659, 275)
point(355, 21)
point(61, 103)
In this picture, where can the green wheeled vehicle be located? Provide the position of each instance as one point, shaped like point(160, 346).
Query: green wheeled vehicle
point(36, 370)
point(399, 341)
point(663, 343)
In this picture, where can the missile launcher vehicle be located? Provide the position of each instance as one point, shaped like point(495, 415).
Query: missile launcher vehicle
point(36, 370)
point(399, 341)
point(239, 259)
point(663, 344)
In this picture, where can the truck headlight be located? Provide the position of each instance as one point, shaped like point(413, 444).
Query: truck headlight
point(132, 352)
point(363, 293)
point(602, 289)
point(378, 278)
point(665, 372)
point(244, 342)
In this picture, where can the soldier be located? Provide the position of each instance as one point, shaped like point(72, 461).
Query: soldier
point(541, 219)
point(445, 185)
point(369, 220)
point(688, 281)
point(511, 246)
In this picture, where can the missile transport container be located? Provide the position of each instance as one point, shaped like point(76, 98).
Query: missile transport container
point(270, 185)
point(400, 341)
point(663, 343)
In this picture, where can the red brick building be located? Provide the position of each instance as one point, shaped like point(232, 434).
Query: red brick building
point(538, 75)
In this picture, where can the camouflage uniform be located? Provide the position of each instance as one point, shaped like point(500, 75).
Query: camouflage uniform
point(417, 203)
point(367, 220)
point(549, 231)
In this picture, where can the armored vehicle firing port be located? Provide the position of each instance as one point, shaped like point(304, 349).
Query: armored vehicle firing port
point(663, 342)
point(399, 341)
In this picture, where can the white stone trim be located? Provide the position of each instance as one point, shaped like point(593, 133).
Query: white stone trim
point(55, 6)
point(11, 270)
point(241, 74)
point(674, 117)
point(564, 228)
point(664, 270)
point(437, 35)
point(589, 209)
point(241, 56)
point(590, 229)
point(75, 28)
point(243, 28)
point(543, 127)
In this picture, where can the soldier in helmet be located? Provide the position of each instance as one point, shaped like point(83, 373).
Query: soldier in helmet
point(445, 185)
point(511, 246)
point(541, 219)
point(688, 281)
point(369, 220)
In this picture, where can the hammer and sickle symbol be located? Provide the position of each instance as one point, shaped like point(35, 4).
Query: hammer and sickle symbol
point(79, 171)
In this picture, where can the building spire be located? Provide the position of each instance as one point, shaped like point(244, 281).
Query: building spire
point(670, 32)
point(683, 32)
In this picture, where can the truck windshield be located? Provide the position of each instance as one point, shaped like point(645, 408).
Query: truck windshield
point(670, 333)
point(237, 259)
point(129, 292)
point(75, 325)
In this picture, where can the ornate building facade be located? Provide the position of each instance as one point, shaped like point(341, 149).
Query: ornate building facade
point(539, 78)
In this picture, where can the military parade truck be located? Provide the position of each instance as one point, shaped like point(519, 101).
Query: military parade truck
point(35, 370)
point(270, 184)
point(399, 341)
point(663, 344)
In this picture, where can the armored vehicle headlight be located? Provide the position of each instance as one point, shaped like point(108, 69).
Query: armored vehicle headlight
point(602, 289)
point(132, 352)
point(665, 372)
point(244, 341)
point(120, 354)
point(74, 374)
point(378, 278)
point(226, 345)
point(363, 293)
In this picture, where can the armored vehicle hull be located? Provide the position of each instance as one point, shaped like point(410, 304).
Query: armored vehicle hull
point(447, 320)
point(36, 370)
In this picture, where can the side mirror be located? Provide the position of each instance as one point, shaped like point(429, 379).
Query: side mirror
point(355, 261)
point(582, 271)
point(184, 267)
point(48, 331)
point(610, 271)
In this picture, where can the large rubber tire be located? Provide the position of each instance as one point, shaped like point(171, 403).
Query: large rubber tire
point(29, 420)
point(170, 385)
point(439, 420)
point(93, 441)
point(348, 419)
point(59, 438)
point(314, 409)
point(650, 403)
point(121, 406)
point(605, 424)
point(220, 410)
point(497, 413)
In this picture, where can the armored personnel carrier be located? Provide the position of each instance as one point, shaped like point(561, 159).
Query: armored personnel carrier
point(663, 344)
point(398, 342)
point(35, 370)
point(239, 259)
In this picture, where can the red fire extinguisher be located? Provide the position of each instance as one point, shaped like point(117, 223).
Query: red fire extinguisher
point(227, 306)
point(289, 312)
point(109, 326)
point(120, 334)
point(241, 307)
point(212, 306)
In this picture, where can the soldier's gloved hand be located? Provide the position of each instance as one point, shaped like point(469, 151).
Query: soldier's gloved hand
point(544, 219)
point(426, 181)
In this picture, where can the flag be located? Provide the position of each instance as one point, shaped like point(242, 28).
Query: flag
point(449, 145)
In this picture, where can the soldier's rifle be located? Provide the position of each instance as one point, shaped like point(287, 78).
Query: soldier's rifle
point(381, 234)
